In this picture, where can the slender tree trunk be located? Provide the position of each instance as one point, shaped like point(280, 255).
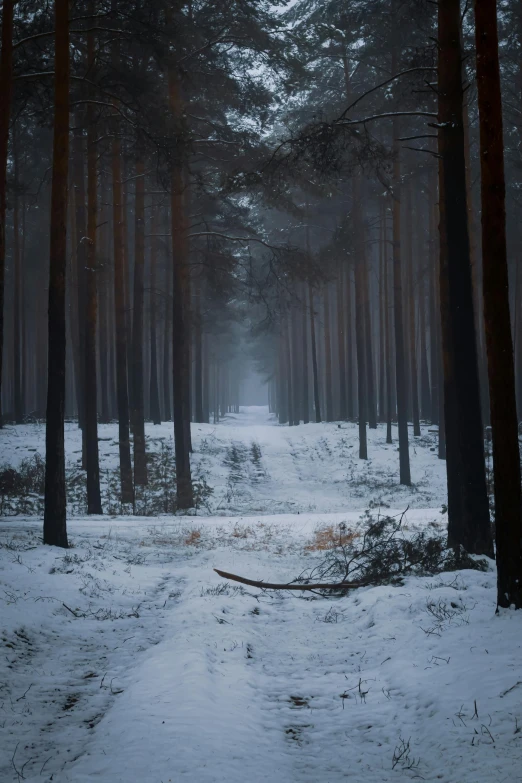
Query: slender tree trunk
point(122, 395)
point(387, 329)
point(435, 336)
point(382, 379)
point(78, 155)
point(288, 360)
point(24, 313)
point(350, 408)
point(155, 413)
point(371, 406)
point(187, 305)
point(341, 345)
point(198, 356)
point(468, 524)
point(282, 405)
point(296, 374)
point(424, 373)
point(138, 413)
point(42, 350)
point(6, 85)
point(55, 507)
point(216, 382)
point(362, 375)
point(474, 254)
point(129, 296)
point(400, 363)
point(17, 303)
point(304, 349)
point(313, 346)
point(411, 312)
point(328, 355)
point(103, 329)
point(506, 457)
point(181, 334)
point(518, 337)
point(91, 311)
point(206, 378)
point(73, 300)
point(448, 423)
point(167, 344)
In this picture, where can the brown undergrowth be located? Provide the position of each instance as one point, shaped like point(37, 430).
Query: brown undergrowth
point(330, 537)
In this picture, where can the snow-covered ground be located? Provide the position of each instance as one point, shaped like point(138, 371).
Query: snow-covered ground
point(126, 659)
point(253, 465)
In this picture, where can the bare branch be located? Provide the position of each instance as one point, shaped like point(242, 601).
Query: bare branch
point(292, 585)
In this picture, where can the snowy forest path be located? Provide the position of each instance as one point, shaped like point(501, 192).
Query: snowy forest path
point(274, 468)
point(274, 687)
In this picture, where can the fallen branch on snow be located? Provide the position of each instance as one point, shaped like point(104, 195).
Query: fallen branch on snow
point(291, 586)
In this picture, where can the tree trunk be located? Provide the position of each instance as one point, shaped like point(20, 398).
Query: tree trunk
point(122, 395)
point(468, 524)
point(24, 311)
point(341, 335)
point(411, 312)
point(282, 397)
point(138, 413)
point(313, 346)
point(104, 338)
point(91, 386)
point(362, 375)
point(400, 363)
point(434, 304)
point(42, 350)
point(6, 84)
point(127, 272)
point(78, 154)
point(55, 508)
point(304, 348)
point(155, 413)
point(382, 267)
point(296, 374)
point(517, 344)
point(181, 334)
point(371, 406)
point(288, 360)
point(474, 254)
point(206, 378)
point(506, 457)
point(167, 344)
point(73, 301)
point(199, 415)
point(361, 359)
point(327, 356)
point(17, 303)
point(349, 346)
point(425, 273)
point(387, 329)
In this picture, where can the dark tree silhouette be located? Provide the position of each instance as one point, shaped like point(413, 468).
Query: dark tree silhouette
point(468, 517)
point(55, 511)
point(501, 371)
